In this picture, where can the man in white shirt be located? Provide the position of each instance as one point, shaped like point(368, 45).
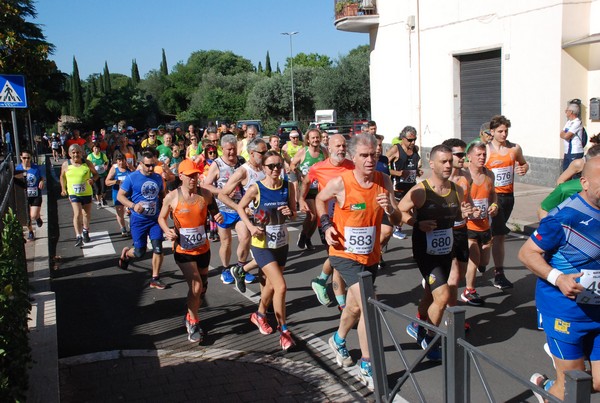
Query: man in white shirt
point(572, 135)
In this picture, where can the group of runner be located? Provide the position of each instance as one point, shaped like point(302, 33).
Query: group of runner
point(356, 196)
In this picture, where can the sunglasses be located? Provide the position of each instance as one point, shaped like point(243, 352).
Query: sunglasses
point(150, 165)
point(272, 167)
point(193, 139)
point(460, 155)
point(410, 140)
point(212, 152)
point(260, 152)
point(25, 158)
point(152, 135)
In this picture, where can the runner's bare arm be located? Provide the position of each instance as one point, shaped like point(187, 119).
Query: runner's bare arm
point(210, 179)
point(164, 215)
point(241, 210)
point(234, 181)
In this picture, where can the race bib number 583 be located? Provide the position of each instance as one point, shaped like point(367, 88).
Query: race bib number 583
point(359, 240)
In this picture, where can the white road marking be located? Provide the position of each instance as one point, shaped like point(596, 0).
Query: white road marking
point(101, 245)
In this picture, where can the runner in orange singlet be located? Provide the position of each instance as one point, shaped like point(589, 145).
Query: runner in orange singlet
point(323, 172)
point(191, 248)
point(483, 198)
point(504, 159)
point(361, 196)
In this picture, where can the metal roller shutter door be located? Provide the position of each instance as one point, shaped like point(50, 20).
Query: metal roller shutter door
point(480, 91)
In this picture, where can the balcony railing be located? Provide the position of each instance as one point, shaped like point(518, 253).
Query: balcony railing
point(355, 15)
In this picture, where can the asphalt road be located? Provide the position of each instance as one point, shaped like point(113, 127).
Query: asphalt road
point(103, 308)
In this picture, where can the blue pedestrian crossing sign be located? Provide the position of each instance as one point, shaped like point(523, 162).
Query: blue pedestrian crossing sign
point(12, 91)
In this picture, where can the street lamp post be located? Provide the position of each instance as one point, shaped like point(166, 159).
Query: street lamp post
point(290, 34)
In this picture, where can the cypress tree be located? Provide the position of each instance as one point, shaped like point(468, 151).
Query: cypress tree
point(101, 85)
point(260, 69)
point(164, 70)
point(106, 75)
point(278, 69)
point(76, 92)
point(135, 73)
point(268, 69)
point(94, 86)
point(88, 96)
point(66, 107)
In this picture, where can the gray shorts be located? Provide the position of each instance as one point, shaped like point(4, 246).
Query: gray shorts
point(349, 269)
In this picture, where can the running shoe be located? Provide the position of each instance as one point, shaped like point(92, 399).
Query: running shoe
point(124, 232)
point(79, 242)
point(481, 269)
point(501, 282)
point(399, 234)
point(342, 356)
point(30, 236)
point(250, 278)
point(435, 354)
point(319, 286)
point(543, 382)
point(99, 205)
point(238, 275)
point(416, 331)
point(195, 332)
point(301, 241)
point(381, 264)
point(286, 341)
point(39, 222)
point(156, 283)
point(104, 203)
point(471, 297)
point(226, 277)
point(261, 323)
point(308, 243)
point(365, 373)
point(86, 236)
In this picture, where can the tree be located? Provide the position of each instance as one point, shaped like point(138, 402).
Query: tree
point(260, 69)
point(164, 69)
point(345, 87)
point(77, 105)
point(24, 50)
point(278, 69)
point(106, 75)
point(135, 73)
point(268, 70)
point(101, 90)
point(310, 60)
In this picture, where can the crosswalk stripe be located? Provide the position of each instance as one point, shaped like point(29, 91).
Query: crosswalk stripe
point(101, 245)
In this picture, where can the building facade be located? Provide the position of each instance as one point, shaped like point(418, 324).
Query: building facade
point(446, 67)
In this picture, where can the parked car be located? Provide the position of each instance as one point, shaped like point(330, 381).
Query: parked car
point(357, 126)
point(284, 131)
point(256, 123)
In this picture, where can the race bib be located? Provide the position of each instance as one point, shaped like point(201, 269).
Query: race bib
point(483, 207)
point(314, 184)
point(100, 169)
point(121, 178)
point(130, 161)
point(277, 236)
point(503, 176)
point(408, 176)
point(591, 284)
point(439, 241)
point(192, 238)
point(359, 240)
point(32, 191)
point(79, 187)
point(149, 208)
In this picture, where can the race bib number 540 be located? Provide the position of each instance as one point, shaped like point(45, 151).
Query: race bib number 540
point(359, 240)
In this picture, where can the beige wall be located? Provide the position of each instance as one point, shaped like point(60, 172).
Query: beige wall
point(419, 69)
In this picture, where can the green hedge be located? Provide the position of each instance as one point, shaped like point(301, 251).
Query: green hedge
point(15, 354)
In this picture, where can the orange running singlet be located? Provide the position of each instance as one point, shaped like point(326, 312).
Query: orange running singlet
point(480, 195)
point(358, 221)
point(190, 218)
point(503, 167)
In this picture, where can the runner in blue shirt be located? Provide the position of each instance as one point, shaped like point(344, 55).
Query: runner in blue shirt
point(117, 174)
point(564, 252)
point(35, 179)
point(143, 192)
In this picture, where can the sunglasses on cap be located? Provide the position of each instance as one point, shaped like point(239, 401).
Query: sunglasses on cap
point(272, 167)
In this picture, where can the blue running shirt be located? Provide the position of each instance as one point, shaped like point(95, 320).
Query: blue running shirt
point(144, 190)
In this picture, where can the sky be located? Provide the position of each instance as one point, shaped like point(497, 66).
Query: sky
point(117, 31)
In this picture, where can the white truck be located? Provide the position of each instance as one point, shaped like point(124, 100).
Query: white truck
point(325, 116)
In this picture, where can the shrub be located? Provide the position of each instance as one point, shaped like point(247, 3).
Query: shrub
point(15, 354)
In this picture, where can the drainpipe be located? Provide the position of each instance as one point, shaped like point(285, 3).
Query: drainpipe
point(419, 74)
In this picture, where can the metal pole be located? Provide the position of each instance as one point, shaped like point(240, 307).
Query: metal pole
point(290, 34)
point(578, 386)
point(15, 138)
point(454, 364)
point(374, 337)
